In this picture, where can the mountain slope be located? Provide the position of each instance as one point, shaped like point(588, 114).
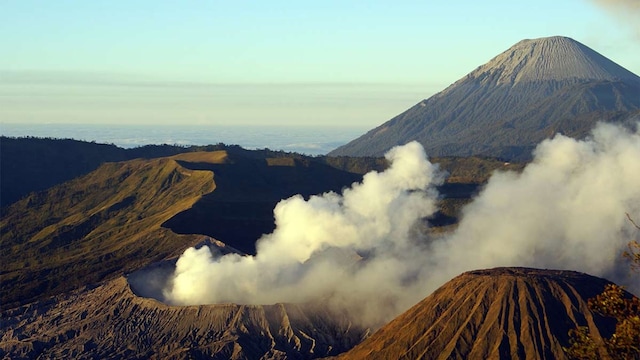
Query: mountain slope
point(95, 227)
point(240, 211)
point(122, 216)
point(31, 164)
point(505, 107)
point(34, 164)
point(553, 58)
point(502, 313)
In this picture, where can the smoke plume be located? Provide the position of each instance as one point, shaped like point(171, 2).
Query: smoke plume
point(627, 11)
point(365, 250)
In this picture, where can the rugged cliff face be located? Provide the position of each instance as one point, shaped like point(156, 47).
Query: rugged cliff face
point(110, 321)
point(502, 313)
point(505, 107)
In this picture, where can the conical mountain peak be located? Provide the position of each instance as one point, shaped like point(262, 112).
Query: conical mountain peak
point(556, 58)
point(502, 313)
point(534, 89)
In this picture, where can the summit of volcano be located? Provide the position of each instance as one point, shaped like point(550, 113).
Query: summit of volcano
point(530, 92)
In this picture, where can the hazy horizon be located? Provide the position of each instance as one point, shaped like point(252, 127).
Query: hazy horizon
point(279, 63)
point(309, 140)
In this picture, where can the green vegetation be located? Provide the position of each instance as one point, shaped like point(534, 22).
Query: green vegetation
point(614, 303)
point(247, 190)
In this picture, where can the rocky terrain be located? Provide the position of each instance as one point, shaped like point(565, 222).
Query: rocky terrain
point(110, 321)
point(74, 280)
point(501, 313)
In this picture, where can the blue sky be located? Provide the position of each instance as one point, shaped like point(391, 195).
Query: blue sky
point(336, 63)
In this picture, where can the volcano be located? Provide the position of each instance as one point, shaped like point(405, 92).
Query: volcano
point(110, 322)
point(501, 313)
point(502, 109)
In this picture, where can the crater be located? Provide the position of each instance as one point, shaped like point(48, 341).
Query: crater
point(150, 281)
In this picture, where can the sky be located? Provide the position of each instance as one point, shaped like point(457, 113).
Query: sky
point(330, 63)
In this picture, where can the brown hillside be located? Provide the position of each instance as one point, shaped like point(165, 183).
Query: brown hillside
point(502, 313)
point(95, 227)
point(240, 210)
point(126, 215)
point(109, 321)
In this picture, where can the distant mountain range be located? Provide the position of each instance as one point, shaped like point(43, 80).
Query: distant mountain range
point(502, 109)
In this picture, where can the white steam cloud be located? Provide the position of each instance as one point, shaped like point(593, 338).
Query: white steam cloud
point(347, 248)
point(364, 250)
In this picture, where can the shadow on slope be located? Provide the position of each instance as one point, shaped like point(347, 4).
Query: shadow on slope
point(120, 217)
point(33, 164)
point(95, 227)
point(240, 211)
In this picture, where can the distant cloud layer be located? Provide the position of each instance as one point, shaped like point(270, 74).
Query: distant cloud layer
point(365, 250)
point(58, 97)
